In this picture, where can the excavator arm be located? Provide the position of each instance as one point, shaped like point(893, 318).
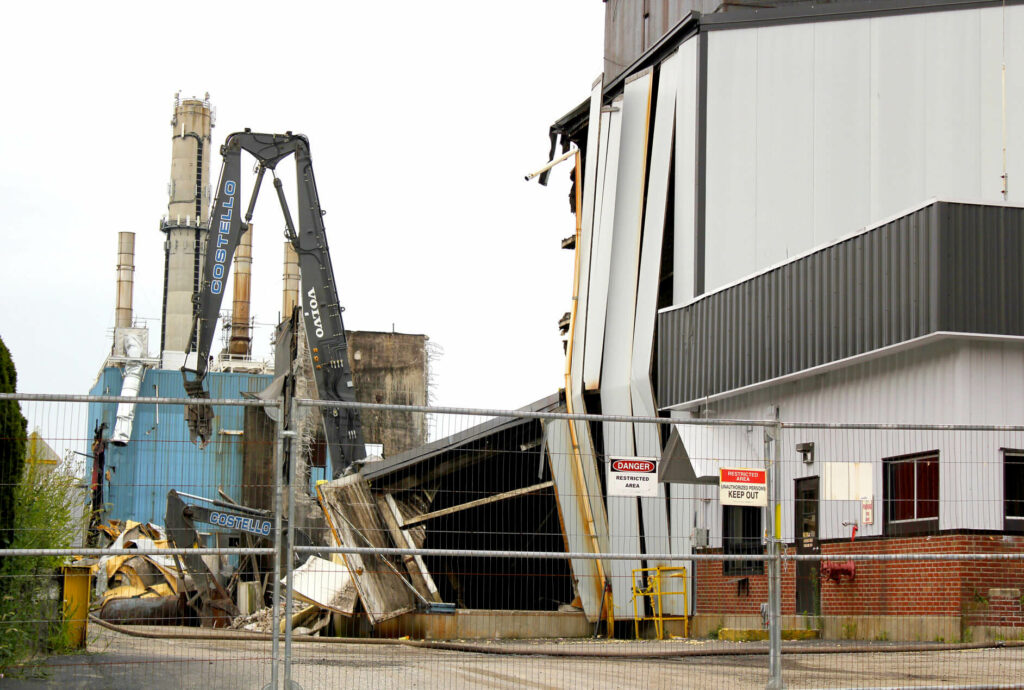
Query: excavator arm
point(325, 330)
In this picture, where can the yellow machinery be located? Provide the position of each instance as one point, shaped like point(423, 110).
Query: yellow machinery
point(661, 582)
point(77, 586)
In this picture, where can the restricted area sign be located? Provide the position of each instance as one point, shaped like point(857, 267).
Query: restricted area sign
point(633, 477)
point(739, 486)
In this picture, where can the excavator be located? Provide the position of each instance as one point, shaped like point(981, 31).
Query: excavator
point(325, 331)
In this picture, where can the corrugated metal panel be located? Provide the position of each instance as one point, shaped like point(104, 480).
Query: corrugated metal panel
point(946, 267)
point(159, 456)
point(623, 518)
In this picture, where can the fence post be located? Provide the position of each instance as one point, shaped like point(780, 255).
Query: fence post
point(275, 621)
point(774, 462)
point(289, 554)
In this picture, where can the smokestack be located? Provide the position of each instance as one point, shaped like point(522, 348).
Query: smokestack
point(185, 226)
point(241, 339)
point(125, 279)
point(290, 298)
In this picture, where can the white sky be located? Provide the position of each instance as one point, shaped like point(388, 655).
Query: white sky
point(423, 118)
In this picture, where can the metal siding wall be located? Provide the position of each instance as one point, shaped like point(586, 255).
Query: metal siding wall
point(641, 388)
point(623, 518)
point(585, 572)
point(913, 386)
point(949, 267)
point(898, 143)
point(784, 156)
point(685, 173)
point(731, 176)
point(601, 257)
point(841, 131)
point(159, 456)
point(587, 467)
point(852, 122)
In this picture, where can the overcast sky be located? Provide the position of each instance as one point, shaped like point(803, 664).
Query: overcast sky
point(423, 118)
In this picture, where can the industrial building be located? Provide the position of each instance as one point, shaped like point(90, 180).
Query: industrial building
point(808, 212)
point(145, 449)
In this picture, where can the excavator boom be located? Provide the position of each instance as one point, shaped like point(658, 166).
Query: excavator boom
point(325, 330)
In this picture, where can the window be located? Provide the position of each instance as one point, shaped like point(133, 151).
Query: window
point(912, 494)
point(1013, 490)
point(741, 534)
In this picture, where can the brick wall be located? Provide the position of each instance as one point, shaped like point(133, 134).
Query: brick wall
point(981, 590)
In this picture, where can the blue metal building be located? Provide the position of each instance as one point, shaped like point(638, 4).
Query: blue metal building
point(159, 455)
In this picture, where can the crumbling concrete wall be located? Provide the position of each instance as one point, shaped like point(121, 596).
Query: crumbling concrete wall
point(391, 368)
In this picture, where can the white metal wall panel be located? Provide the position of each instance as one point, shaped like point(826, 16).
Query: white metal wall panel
point(560, 455)
point(584, 468)
point(785, 158)
point(841, 179)
point(952, 116)
point(898, 133)
point(623, 519)
point(590, 183)
point(685, 192)
point(994, 24)
point(647, 436)
point(815, 130)
point(601, 253)
point(731, 169)
point(910, 386)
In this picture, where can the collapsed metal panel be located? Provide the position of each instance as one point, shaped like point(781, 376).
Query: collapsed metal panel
point(623, 518)
point(585, 481)
point(601, 253)
point(648, 436)
point(571, 495)
point(355, 522)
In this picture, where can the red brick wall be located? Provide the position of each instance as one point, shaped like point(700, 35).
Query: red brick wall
point(890, 588)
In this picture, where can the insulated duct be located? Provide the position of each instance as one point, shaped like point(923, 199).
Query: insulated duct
point(241, 338)
point(133, 370)
point(125, 279)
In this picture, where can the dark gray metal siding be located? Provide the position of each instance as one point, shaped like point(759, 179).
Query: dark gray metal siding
point(946, 267)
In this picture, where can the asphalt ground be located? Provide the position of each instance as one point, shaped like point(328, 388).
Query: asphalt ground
point(115, 660)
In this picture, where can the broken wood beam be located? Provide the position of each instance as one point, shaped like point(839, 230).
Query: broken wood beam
point(478, 502)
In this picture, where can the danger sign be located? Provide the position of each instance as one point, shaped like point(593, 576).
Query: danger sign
point(739, 486)
point(633, 477)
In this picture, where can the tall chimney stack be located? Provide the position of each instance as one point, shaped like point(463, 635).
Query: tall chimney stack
point(125, 279)
point(290, 297)
point(241, 338)
point(186, 225)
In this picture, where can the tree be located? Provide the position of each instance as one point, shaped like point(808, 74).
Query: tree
point(12, 446)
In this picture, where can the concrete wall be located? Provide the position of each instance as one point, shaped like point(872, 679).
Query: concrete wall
point(390, 368)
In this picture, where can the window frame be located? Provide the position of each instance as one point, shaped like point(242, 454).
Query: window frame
point(1011, 456)
point(915, 525)
point(748, 544)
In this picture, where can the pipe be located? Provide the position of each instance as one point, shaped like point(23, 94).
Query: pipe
point(241, 338)
point(537, 650)
point(133, 370)
point(125, 279)
point(290, 296)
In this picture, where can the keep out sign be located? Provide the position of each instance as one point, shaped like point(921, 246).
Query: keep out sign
point(633, 477)
point(740, 486)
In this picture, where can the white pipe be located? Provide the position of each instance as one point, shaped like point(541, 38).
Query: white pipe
point(133, 370)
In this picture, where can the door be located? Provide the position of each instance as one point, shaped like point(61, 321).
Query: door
point(806, 522)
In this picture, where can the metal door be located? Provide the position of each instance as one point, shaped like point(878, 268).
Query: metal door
point(806, 522)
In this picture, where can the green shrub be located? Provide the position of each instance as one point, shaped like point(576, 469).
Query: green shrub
point(30, 611)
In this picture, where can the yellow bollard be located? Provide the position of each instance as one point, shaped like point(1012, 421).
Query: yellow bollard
point(77, 588)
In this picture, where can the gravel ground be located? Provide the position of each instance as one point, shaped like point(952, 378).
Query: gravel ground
point(115, 660)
